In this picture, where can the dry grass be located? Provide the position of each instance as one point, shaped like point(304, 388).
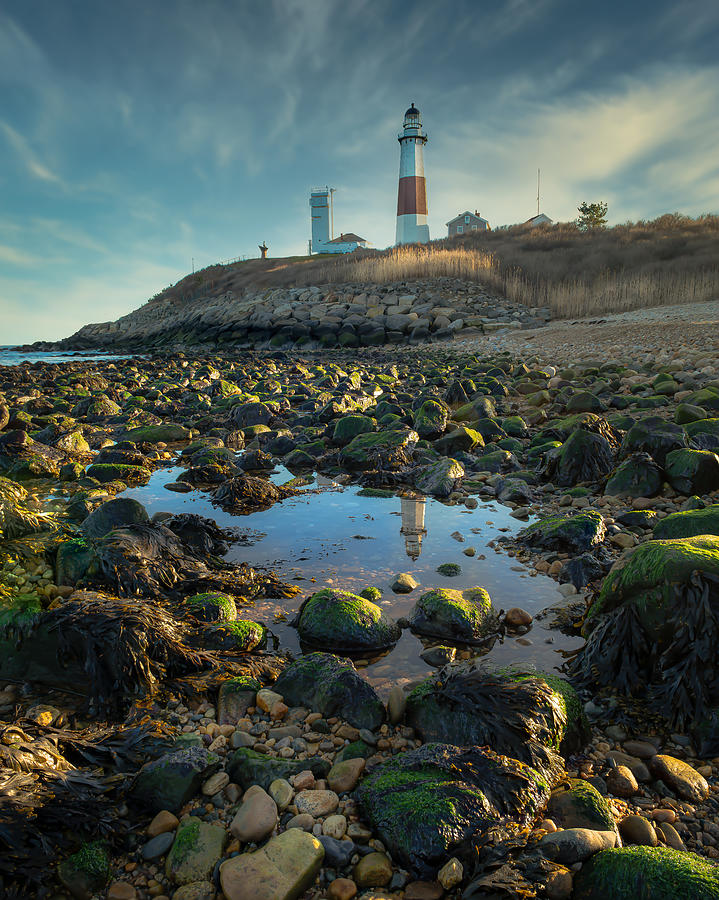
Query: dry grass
point(670, 260)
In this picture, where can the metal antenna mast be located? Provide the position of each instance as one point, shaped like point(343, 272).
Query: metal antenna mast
point(537, 191)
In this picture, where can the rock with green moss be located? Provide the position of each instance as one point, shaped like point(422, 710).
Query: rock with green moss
point(439, 478)
point(116, 513)
point(703, 426)
point(584, 456)
point(654, 625)
point(687, 413)
point(173, 779)
point(338, 620)
point(693, 471)
point(465, 617)
point(689, 523)
point(430, 420)
point(708, 397)
point(515, 426)
point(585, 401)
point(654, 436)
point(460, 439)
point(241, 636)
point(573, 533)
point(75, 559)
point(440, 800)
point(348, 427)
point(195, 852)
point(212, 607)
point(330, 685)
point(578, 804)
point(525, 714)
point(637, 476)
point(131, 475)
point(235, 697)
point(497, 461)
point(384, 448)
point(647, 873)
point(86, 872)
point(155, 434)
point(247, 767)
point(371, 593)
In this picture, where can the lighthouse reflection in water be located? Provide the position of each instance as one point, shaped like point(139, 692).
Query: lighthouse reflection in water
point(413, 512)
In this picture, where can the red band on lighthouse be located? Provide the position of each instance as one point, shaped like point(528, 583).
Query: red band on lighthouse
point(412, 196)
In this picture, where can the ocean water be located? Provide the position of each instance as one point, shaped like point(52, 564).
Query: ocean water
point(11, 357)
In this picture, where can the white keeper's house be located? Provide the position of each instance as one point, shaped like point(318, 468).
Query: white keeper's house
point(465, 222)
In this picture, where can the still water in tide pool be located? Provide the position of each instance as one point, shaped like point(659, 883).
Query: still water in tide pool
point(331, 536)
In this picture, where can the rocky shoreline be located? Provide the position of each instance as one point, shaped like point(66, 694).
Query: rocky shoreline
point(214, 766)
point(352, 315)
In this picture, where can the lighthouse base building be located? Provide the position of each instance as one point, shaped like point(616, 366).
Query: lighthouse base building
point(412, 227)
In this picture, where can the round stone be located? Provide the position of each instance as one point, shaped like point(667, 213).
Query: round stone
point(517, 618)
point(317, 803)
point(373, 870)
point(621, 782)
point(334, 826)
point(637, 830)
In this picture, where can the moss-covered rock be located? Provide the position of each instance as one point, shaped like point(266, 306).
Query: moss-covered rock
point(430, 419)
point(173, 779)
point(348, 427)
point(584, 456)
point(466, 617)
point(338, 620)
point(439, 801)
point(525, 714)
point(461, 439)
point(383, 447)
point(647, 873)
point(212, 607)
point(116, 513)
point(87, 871)
point(242, 636)
point(637, 476)
point(693, 471)
point(131, 475)
point(330, 685)
point(439, 478)
point(195, 852)
point(154, 434)
point(576, 533)
point(654, 436)
point(689, 523)
point(578, 804)
point(585, 401)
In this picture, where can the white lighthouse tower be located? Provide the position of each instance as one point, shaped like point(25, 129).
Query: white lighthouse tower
point(412, 225)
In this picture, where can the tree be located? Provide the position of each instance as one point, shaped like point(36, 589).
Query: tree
point(592, 216)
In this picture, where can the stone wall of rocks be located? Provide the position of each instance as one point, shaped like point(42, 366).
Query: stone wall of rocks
point(315, 317)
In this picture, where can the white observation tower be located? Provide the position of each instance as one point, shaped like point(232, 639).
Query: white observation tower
point(412, 225)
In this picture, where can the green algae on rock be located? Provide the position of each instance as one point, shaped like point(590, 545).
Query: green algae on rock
point(212, 607)
point(386, 448)
point(689, 523)
point(339, 620)
point(466, 617)
point(247, 767)
point(173, 779)
point(636, 476)
point(654, 436)
point(87, 871)
point(647, 873)
point(439, 800)
point(576, 533)
point(693, 471)
point(241, 635)
point(131, 475)
point(578, 804)
point(584, 456)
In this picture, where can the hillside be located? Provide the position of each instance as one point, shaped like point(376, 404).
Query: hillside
point(518, 277)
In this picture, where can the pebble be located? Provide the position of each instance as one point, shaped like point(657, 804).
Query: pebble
point(121, 890)
point(621, 782)
point(301, 820)
point(640, 749)
point(267, 698)
point(451, 874)
point(680, 777)
point(559, 885)
point(637, 830)
point(573, 845)
point(215, 783)
point(317, 803)
point(335, 826)
point(344, 775)
point(517, 618)
point(404, 583)
point(158, 846)
point(282, 793)
point(423, 890)
point(257, 816)
point(162, 822)
point(342, 889)
point(671, 836)
point(373, 870)
point(338, 854)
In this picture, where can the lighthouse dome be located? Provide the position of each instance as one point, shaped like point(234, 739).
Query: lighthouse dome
point(412, 111)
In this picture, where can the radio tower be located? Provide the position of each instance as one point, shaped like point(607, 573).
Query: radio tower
point(412, 225)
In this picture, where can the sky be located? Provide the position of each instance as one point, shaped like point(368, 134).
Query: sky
point(136, 136)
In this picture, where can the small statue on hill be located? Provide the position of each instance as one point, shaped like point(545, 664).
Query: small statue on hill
point(263, 249)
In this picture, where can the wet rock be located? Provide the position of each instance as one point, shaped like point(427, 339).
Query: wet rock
point(373, 870)
point(246, 767)
point(581, 570)
point(438, 656)
point(389, 449)
point(114, 514)
point(344, 775)
point(316, 803)
point(584, 456)
point(164, 821)
point(85, 872)
point(281, 870)
point(462, 616)
point(158, 846)
point(247, 493)
point(430, 419)
point(637, 830)
point(440, 478)
point(235, 696)
point(621, 782)
point(337, 853)
point(578, 804)
point(169, 782)
point(523, 715)
point(575, 533)
point(341, 621)
point(689, 523)
point(461, 793)
point(693, 471)
point(212, 607)
point(654, 436)
point(517, 618)
point(330, 685)
point(637, 476)
point(404, 583)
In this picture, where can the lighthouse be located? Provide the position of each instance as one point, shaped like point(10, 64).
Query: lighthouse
point(412, 225)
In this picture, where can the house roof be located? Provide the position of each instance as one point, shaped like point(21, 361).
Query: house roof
point(349, 238)
point(542, 216)
point(466, 213)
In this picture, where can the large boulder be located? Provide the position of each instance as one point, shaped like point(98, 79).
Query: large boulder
point(330, 685)
point(654, 436)
point(465, 617)
point(584, 456)
point(637, 476)
point(340, 621)
point(384, 449)
point(284, 869)
point(524, 714)
point(647, 873)
point(155, 434)
point(439, 478)
point(693, 471)
point(439, 801)
point(654, 625)
point(573, 533)
point(114, 514)
point(247, 493)
point(430, 419)
point(348, 427)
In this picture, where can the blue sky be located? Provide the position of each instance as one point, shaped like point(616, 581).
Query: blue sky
point(135, 136)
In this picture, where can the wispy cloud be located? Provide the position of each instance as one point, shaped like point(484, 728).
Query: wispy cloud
point(18, 257)
point(28, 157)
